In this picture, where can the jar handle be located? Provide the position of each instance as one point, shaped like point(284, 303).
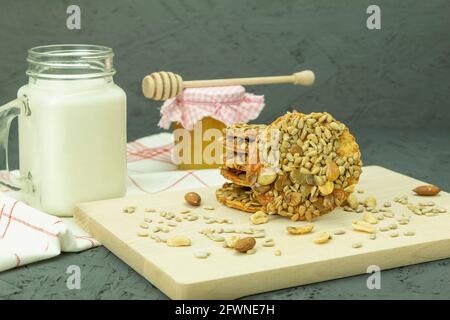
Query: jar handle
point(8, 112)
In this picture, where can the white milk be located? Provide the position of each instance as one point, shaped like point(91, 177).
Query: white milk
point(73, 145)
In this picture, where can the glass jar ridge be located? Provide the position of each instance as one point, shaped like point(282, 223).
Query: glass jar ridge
point(70, 62)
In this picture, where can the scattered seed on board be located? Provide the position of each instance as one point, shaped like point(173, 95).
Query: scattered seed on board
point(339, 232)
point(208, 208)
point(178, 241)
point(277, 252)
point(148, 220)
point(251, 251)
point(178, 219)
point(269, 243)
point(388, 214)
point(384, 229)
point(129, 209)
point(216, 238)
point(185, 211)
point(393, 226)
point(149, 210)
point(142, 233)
point(373, 236)
point(387, 204)
point(143, 225)
point(360, 191)
point(171, 224)
point(165, 229)
point(193, 218)
point(156, 229)
point(202, 254)
point(394, 235)
point(356, 245)
point(409, 233)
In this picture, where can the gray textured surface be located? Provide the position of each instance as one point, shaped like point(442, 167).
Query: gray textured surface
point(390, 86)
point(104, 276)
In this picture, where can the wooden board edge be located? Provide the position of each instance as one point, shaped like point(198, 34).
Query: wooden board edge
point(130, 257)
point(231, 288)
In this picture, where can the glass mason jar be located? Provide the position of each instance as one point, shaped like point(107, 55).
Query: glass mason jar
point(72, 128)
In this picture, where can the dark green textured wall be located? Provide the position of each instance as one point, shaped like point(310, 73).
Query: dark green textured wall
point(396, 77)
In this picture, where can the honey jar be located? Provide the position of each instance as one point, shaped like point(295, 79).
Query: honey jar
point(199, 117)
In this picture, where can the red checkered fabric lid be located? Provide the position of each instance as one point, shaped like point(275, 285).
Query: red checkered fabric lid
point(226, 104)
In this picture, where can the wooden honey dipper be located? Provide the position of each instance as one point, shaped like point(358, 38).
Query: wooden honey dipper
point(165, 85)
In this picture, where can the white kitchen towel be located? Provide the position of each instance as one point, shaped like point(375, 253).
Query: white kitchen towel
point(28, 235)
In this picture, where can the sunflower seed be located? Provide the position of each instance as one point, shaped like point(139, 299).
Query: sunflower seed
point(129, 209)
point(394, 235)
point(356, 245)
point(202, 254)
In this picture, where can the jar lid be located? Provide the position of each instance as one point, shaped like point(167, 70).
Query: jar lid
point(226, 104)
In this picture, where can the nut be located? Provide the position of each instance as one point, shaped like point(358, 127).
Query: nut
point(244, 244)
point(364, 227)
point(322, 238)
point(193, 198)
point(293, 198)
point(332, 171)
point(178, 241)
point(427, 190)
point(259, 217)
point(231, 242)
point(369, 218)
point(353, 201)
point(300, 230)
point(327, 188)
point(266, 177)
point(370, 202)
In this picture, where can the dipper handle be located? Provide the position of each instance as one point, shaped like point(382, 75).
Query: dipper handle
point(164, 85)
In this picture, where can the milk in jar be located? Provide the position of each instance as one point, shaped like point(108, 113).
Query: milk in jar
point(72, 139)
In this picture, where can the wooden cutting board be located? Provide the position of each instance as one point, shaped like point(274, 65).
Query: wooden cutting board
point(227, 274)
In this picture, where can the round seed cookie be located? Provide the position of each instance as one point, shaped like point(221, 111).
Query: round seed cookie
point(318, 165)
point(238, 197)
